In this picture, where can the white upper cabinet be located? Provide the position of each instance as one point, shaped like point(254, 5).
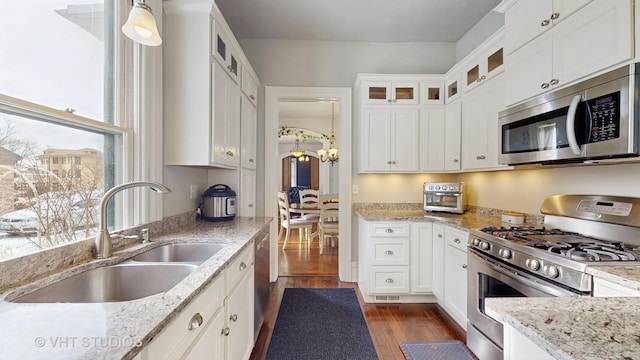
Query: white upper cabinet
point(484, 66)
point(452, 86)
point(530, 18)
point(391, 92)
point(432, 139)
point(226, 128)
point(596, 37)
point(249, 86)
point(452, 130)
point(432, 91)
point(248, 129)
point(225, 53)
point(480, 109)
point(389, 140)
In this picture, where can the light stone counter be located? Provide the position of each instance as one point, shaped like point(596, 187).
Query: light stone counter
point(625, 275)
point(116, 330)
point(583, 328)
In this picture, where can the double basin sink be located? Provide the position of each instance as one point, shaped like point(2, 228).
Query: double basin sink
point(152, 272)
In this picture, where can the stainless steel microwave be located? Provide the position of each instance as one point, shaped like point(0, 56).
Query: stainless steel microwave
point(594, 119)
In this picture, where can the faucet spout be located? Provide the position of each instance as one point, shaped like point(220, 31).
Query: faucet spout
point(103, 238)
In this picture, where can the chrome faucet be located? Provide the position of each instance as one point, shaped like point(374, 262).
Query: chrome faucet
point(103, 239)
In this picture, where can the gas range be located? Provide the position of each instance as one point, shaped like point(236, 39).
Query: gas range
point(579, 231)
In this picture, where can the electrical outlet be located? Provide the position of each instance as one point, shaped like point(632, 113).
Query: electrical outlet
point(354, 190)
point(193, 192)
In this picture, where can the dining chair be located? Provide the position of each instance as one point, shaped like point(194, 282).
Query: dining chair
point(309, 199)
point(286, 222)
point(328, 223)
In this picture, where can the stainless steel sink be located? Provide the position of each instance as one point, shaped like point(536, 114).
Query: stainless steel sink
point(122, 282)
point(183, 252)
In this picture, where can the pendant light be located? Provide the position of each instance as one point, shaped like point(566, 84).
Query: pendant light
point(297, 152)
point(141, 25)
point(330, 155)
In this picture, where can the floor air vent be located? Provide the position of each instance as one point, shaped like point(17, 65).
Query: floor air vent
point(387, 298)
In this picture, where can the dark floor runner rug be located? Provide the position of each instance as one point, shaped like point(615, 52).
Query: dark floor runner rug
point(320, 324)
point(436, 350)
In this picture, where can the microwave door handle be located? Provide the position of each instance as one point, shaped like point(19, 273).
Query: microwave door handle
point(571, 125)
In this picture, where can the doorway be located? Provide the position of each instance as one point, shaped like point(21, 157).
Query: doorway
point(273, 158)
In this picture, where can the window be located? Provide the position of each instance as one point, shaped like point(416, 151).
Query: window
point(56, 93)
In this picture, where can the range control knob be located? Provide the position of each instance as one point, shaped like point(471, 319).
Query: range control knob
point(476, 242)
point(532, 264)
point(505, 253)
point(484, 245)
point(444, 187)
point(551, 271)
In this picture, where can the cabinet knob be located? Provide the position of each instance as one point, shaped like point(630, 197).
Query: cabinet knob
point(243, 266)
point(250, 205)
point(389, 101)
point(480, 157)
point(555, 16)
point(252, 97)
point(440, 235)
point(455, 160)
point(554, 82)
point(389, 281)
point(388, 231)
point(230, 153)
point(545, 22)
point(195, 322)
point(226, 331)
point(388, 252)
point(544, 85)
point(456, 240)
point(233, 317)
point(464, 266)
point(251, 160)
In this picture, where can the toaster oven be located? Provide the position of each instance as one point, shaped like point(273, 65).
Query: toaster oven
point(445, 197)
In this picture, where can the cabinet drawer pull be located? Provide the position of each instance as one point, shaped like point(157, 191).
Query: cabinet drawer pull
point(389, 281)
point(226, 331)
point(233, 317)
point(195, 322)
point(480, 157)
point(555, 16)
point(243, 266)
point(545, 22)
point(388, 252)
point(554, 82)
point(456, 240)
point(388, 230)
point(230, 153)
point(544, 85)
point(464, 266)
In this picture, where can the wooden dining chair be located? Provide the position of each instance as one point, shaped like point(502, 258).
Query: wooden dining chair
point(287, 223)
point(328, 223)
point(309, 199)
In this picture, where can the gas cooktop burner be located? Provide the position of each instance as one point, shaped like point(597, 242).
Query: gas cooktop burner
point(568, 244)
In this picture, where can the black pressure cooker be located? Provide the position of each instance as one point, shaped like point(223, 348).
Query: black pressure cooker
point(219, 203)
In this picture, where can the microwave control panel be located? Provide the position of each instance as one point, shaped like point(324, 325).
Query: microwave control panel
point(604, 118)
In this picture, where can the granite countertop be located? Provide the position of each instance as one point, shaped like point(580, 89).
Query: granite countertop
point(575, 327)
point(468, 220)
point(625, 275)
point(117, 330)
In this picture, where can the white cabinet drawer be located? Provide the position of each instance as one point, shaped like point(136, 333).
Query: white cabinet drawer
point(456, 238)
point(239, 267)
point(389, 229)
point(183, 329)
point(389, 280)
point(390, 251)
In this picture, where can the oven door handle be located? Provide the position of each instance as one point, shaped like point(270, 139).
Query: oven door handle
point(443, 194)
point(514, 274)
point(571, 125)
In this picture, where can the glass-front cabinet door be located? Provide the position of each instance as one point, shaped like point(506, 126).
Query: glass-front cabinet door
point(391, 92)
point(432, 91)
point(487, 65)
point(225, 53)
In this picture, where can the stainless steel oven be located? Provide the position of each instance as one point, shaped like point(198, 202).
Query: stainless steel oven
point(579, 231)
point(446, 197)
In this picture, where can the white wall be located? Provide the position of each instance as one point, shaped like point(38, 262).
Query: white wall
point(394, 188)
point(179, 179)
point(333, 63)
point(481, 31)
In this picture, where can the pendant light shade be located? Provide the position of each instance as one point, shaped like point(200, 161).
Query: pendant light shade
point(141, 25)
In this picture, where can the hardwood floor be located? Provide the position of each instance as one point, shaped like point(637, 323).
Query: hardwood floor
point(389, 324)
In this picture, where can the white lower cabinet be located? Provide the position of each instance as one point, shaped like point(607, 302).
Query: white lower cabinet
point(395, 261)
point(217, 324)
point(455, 275)
point(605, 288)
point(438, 260)
point(517, 346)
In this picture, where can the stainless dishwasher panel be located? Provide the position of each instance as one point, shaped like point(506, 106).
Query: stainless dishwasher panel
point(262, 286)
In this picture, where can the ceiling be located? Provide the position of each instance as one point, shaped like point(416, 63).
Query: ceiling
point(354, 20)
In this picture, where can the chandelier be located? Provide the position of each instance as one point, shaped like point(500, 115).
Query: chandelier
point(297, 152)
point(331, 154)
